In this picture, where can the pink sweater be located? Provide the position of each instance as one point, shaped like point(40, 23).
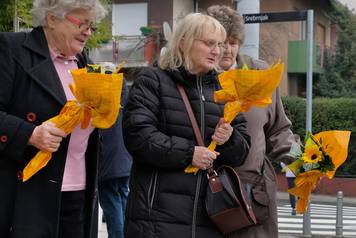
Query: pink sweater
point(74, 178)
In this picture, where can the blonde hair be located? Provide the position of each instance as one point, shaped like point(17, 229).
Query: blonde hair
point(60, 7)
point(192, 26)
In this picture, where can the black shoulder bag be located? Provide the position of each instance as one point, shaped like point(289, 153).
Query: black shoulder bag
point(225, 199)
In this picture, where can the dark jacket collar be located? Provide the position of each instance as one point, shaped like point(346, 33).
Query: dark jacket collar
point(43, 70)
point(37, 42)
point(184, 77)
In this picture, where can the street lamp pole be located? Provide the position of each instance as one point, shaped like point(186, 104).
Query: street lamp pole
point(310, 20)
point(16, 19)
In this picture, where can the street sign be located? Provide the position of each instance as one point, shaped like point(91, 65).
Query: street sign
point(275, 17)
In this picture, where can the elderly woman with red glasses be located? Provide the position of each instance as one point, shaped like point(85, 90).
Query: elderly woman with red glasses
point(61, 199)
point(164, 201)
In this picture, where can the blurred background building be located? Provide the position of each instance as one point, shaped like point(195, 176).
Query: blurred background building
point(283, 41)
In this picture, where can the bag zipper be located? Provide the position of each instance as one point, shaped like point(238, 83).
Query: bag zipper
point(202, 100)
point(202, 130)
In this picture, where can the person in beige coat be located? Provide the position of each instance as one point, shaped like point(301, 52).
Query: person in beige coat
point(269, 129)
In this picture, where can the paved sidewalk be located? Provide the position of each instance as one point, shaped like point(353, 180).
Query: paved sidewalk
point(280, 196)
point(320, 198)
point(102, 226)
point(300, 236)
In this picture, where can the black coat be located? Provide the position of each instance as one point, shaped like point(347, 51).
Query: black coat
point(164, 201)
point(31, 93)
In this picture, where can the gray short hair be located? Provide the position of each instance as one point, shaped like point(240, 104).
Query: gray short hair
point(230, 19)
point(60, 7)
point(192, 26)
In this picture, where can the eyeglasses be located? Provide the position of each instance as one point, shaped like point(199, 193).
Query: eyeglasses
point(83, 26)
point(211, 44)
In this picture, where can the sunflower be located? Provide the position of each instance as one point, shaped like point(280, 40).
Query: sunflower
point(312, 154)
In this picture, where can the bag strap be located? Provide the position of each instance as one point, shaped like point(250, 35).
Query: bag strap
point(197, 133)
point(192, 119)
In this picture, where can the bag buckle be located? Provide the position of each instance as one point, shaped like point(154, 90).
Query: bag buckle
point(211, 173)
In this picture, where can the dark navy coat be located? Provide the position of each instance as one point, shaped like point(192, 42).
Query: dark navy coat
point(114, 160)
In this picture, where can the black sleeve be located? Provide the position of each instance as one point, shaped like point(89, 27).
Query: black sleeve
point(143, 139)
point(14, 131)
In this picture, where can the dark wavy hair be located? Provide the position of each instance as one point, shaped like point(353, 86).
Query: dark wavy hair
point(230, 19)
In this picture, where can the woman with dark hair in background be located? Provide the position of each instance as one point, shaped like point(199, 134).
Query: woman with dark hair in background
point(269, 129)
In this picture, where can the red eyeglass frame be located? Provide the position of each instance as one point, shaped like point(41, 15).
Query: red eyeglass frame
point(79, 23)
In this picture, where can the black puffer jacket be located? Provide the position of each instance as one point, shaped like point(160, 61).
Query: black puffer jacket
point(164, 201)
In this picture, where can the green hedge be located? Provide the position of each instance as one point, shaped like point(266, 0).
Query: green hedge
point(328, 114)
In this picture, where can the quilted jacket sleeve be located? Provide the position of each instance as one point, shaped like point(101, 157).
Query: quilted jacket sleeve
point(146, 143)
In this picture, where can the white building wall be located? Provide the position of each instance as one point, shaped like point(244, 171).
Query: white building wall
point(128, 18)
point(180, 9)
point(252, 40)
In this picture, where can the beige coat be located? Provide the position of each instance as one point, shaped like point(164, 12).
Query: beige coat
point(271, 139)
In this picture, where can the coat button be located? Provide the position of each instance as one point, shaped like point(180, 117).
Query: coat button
point(31, 117)
point(19, 175)
point(3, 139)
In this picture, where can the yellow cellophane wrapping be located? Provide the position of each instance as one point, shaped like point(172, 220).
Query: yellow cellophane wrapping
point(242, 89)
point(305, 183)
point(97, 102)
point(335, 145)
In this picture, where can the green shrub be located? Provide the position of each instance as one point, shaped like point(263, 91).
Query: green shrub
point(328, 114)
